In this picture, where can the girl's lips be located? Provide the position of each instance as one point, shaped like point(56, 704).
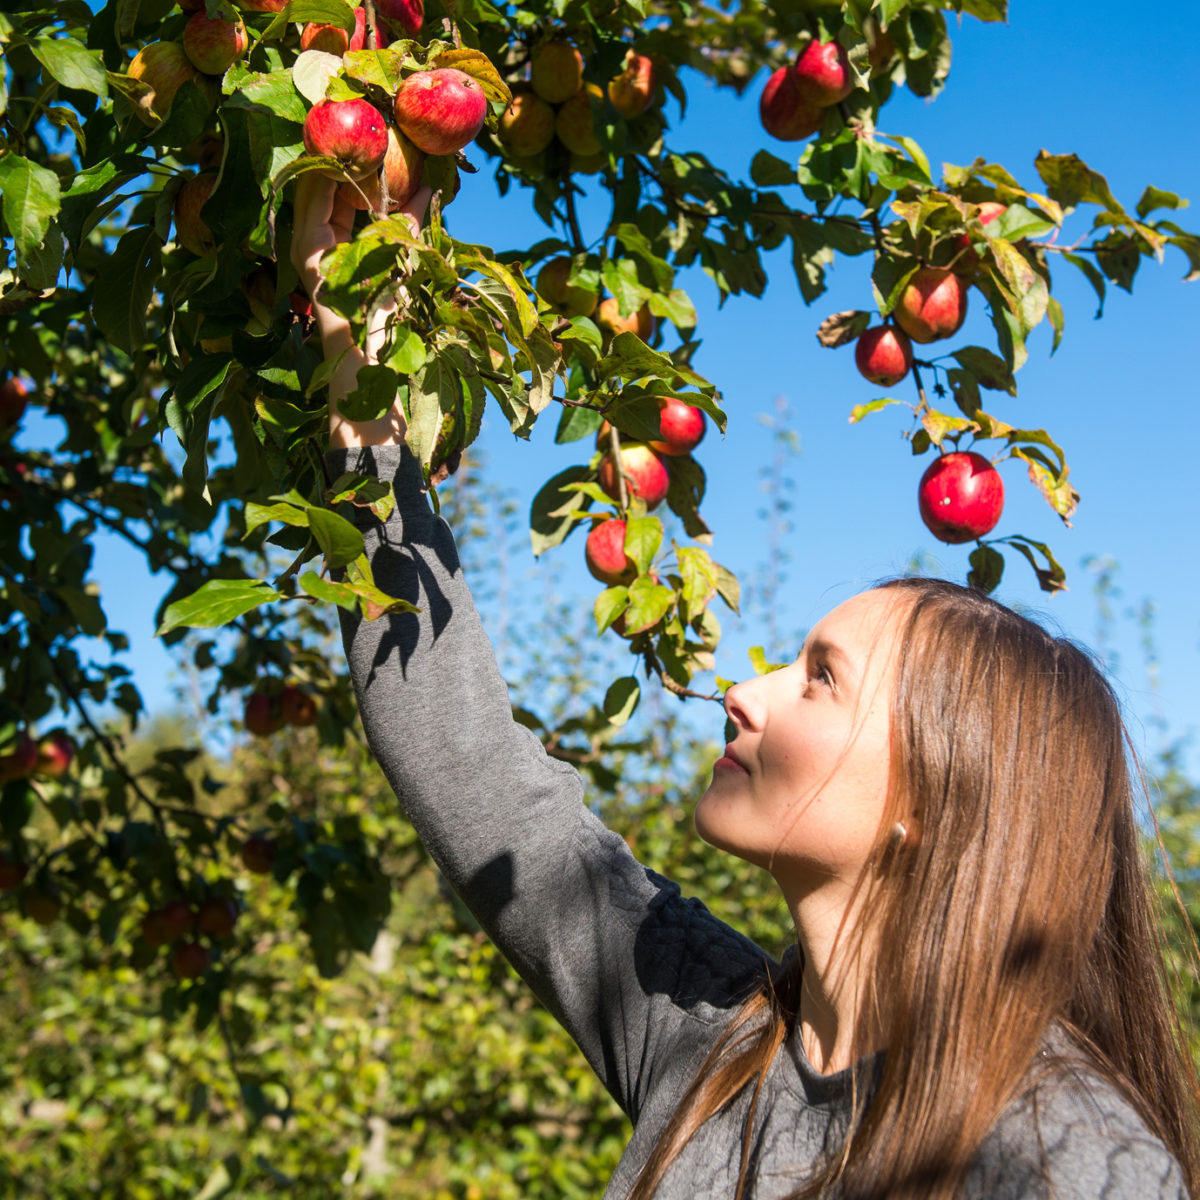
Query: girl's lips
point(729, 762)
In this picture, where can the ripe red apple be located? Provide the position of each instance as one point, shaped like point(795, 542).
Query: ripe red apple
point(352, 131)
point(165, 68)
point(191, 230)
point(190, 960)
point(527, 124)
point(12, 401)
point(442, 110)
point(933, 305)
point(402, 166)
point(258, 854)
point(611, 322)
point(961, 496)
point(681, 427)
point(216, 917)
point(575, 124)
point(20, 761)
point(556, 71)
point(297, 707)
point(784, 115)
point(44, 908)
point(172, 921)
point(883, 355)
point(645, 475)
point(604, 553)
point(56, 751)
point(409, 15)
point(213, 46)
point(821, 75)
point(333, 39)
point(12, 872)
point(262, 716)
point(571, 300)
point(632, 92)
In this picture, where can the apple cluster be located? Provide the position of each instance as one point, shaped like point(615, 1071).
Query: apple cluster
point(556, 103)
point(182, 926)
point(269, 709)
point(793, 102)
point(49, 757)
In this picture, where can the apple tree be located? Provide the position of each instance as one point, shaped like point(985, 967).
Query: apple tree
point(148, 158)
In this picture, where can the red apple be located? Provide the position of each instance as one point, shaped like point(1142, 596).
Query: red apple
point(12, 401)
point(784, 115)
point(261, 716)
point(575, 124)
point(270, 6)
point(190, 960)
point(442, 110)
point(299, 302)
point(821, 75)
point(352, 131)
point(402, 166)
point(645, 475)
point(213, 46)
point(216, 917)
point(681, 427)
point(55, 754)
point(409, 15)
point(12, 872)
point(571, 300)
point(172, 921)
point(527, 125)
point(611, 322)
point(20, 761)
point(164, 68)
point(333, 39)
point(258, 854)
point(297, 707)
point(883, 355)
point(556, 71)
point(961, 496)
point(632, 92)
point(604, 553)
point(191, 230)
point(44, 908)
point(933, 305)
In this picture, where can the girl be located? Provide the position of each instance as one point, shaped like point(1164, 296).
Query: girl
point(975, 1004)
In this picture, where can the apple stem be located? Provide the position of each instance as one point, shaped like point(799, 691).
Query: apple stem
point(615, 450)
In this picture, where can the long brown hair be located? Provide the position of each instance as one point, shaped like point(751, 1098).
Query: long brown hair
point(1019, 901)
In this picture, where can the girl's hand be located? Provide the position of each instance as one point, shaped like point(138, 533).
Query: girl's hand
point(324, 220)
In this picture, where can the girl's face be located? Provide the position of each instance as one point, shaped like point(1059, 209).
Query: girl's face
point(801, 789)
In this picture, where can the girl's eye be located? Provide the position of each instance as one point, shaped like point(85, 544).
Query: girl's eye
point(823, 674)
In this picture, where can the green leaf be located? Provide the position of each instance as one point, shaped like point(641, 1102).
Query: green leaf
point(989, 369)
point(699, 575)
point(374, 395)
point(72, 65)
point(758, 660)
point(728, 587)
point(609, 605)
point(872, 406)
point(550, 518)
point(768, 171)
point(216, 603)
point(31, 199)
point(408, 351)
point(124, 287)
point(1051, 578)
point(261, 514)
point(649, 602)
point(643, 537)
point(1092, 275)
point(621, 699)
point(1153, 198)
point(340, 541)
point(987, 569)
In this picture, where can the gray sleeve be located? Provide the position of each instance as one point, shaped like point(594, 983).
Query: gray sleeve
point(1074, 1137)
point(626, 964)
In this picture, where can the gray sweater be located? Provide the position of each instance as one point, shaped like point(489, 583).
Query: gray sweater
point(642, 978)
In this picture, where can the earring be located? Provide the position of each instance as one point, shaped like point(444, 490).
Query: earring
point(897, 836)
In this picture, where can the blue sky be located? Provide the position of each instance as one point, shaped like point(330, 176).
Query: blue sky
point(1120, 395)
